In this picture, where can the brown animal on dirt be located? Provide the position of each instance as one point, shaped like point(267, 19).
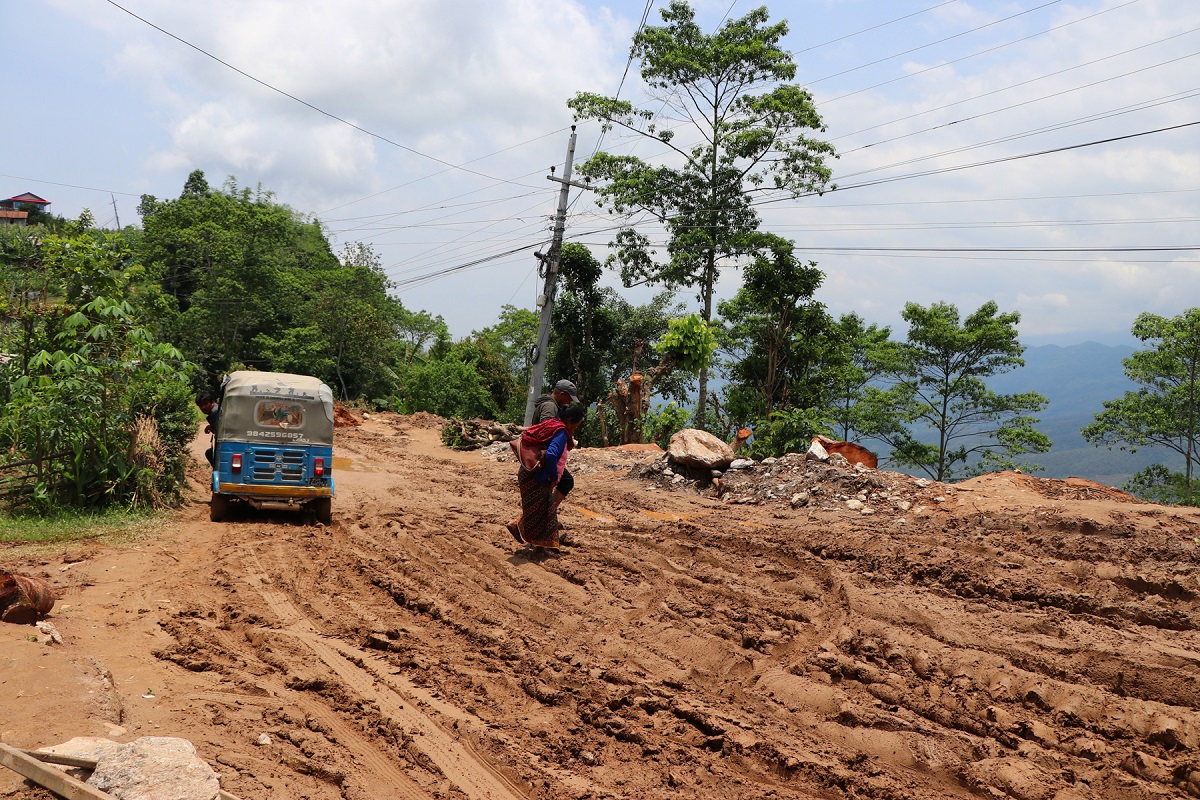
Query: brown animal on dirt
point(855, 454)
point(739, 440)
point(23, 600)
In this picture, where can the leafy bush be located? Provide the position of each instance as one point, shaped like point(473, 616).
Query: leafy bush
point(662, 422)
point(101, 409)
point(111, 404)
point(1158, 484)
point(788, 431)
point(691, 341)
point(446, 387)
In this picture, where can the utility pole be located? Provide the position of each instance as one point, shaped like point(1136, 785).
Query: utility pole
point(115, 214)
point(546, 299)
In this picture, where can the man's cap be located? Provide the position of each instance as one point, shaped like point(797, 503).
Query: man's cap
point(567, 388)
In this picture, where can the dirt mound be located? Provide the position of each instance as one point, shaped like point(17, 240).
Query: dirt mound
point(344, 417)
point(424, 420)
point(792, 630)
point(1010, 482)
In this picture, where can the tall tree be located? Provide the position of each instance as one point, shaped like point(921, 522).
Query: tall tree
point(338, 327)
point(730, 88)
point(938, 383)
point(774, 333)
point(225, 260)
point(596, 335)
point(1165, 410)
point(855, 365)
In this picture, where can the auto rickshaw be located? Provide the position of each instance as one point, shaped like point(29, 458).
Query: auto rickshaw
point(273, 444)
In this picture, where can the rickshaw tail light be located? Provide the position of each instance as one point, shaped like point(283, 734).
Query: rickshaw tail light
point(236, 462)
point(318, 467)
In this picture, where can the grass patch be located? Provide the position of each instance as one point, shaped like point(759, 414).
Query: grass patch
point(73, 526)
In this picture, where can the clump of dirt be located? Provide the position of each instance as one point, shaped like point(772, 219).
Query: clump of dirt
point(424, 420)
point(344, 417)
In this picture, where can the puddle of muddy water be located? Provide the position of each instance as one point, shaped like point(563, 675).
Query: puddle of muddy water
point(664, 517)
point(593, 515)
point(341, 464)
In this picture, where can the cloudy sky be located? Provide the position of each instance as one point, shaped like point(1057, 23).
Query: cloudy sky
point(427, 128)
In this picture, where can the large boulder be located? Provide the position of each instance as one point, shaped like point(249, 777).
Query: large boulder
point(155, 768)
point(695, 448)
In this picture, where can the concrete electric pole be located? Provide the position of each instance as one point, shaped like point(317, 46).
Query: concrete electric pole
point(546, 299)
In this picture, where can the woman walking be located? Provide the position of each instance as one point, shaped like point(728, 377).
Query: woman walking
point(543, 454)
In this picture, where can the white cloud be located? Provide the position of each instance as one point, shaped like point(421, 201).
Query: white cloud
point(460, 81)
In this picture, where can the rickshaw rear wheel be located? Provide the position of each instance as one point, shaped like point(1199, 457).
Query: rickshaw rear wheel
point(218, 507)
point(323, 507)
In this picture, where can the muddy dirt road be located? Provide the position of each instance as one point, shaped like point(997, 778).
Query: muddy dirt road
point(812, 633)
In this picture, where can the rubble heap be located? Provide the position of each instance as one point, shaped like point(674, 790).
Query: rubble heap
point(799, 481)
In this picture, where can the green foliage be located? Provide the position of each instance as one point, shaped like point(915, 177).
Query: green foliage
point(690, 341)
point(662, 422)
point(503, 360)
point(1158, 484)
point(1165, 410)
point(504, 387)
point(233, 265)
point(70, 525)
point(937, 382)
point(787, 431)
point(752, 138)
point(774, 338)
point(595, 335)
point(447, 387)
point(853, 364)
point(93, 398)
point(247, 281)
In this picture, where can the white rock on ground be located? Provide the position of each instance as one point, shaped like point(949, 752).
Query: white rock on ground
point(154, 768)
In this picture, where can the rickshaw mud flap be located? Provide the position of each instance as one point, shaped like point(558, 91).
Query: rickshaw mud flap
point(265, 491)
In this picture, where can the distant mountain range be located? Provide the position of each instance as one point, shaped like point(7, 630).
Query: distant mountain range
point(1077, 380)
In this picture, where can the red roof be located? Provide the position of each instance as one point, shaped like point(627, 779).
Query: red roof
point(28, 197)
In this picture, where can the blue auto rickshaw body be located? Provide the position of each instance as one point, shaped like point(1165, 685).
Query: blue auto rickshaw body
point(274, 444)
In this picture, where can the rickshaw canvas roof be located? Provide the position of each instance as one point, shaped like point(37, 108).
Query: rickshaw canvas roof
point(276, 408)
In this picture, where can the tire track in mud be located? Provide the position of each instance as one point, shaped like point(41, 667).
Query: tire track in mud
point(365, 677)
point(716, 651)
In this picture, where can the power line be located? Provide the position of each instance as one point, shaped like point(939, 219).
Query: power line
point(868, 30)
point(69, 185)
point(973, 55)
point(992, 161)
point(931, 44)
point(997, 199)
point(443, 172)
point(1121, 249)
point(1186, 95)
point(419, 279)
point(302, 102)
point(1026, 82)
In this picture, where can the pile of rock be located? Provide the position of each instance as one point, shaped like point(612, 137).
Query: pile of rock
point(701, 463)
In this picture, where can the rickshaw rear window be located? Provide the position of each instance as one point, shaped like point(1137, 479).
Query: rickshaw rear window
point(279, 414)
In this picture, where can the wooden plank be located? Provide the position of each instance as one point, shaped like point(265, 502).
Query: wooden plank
point(64, 760)
point(55, 780)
